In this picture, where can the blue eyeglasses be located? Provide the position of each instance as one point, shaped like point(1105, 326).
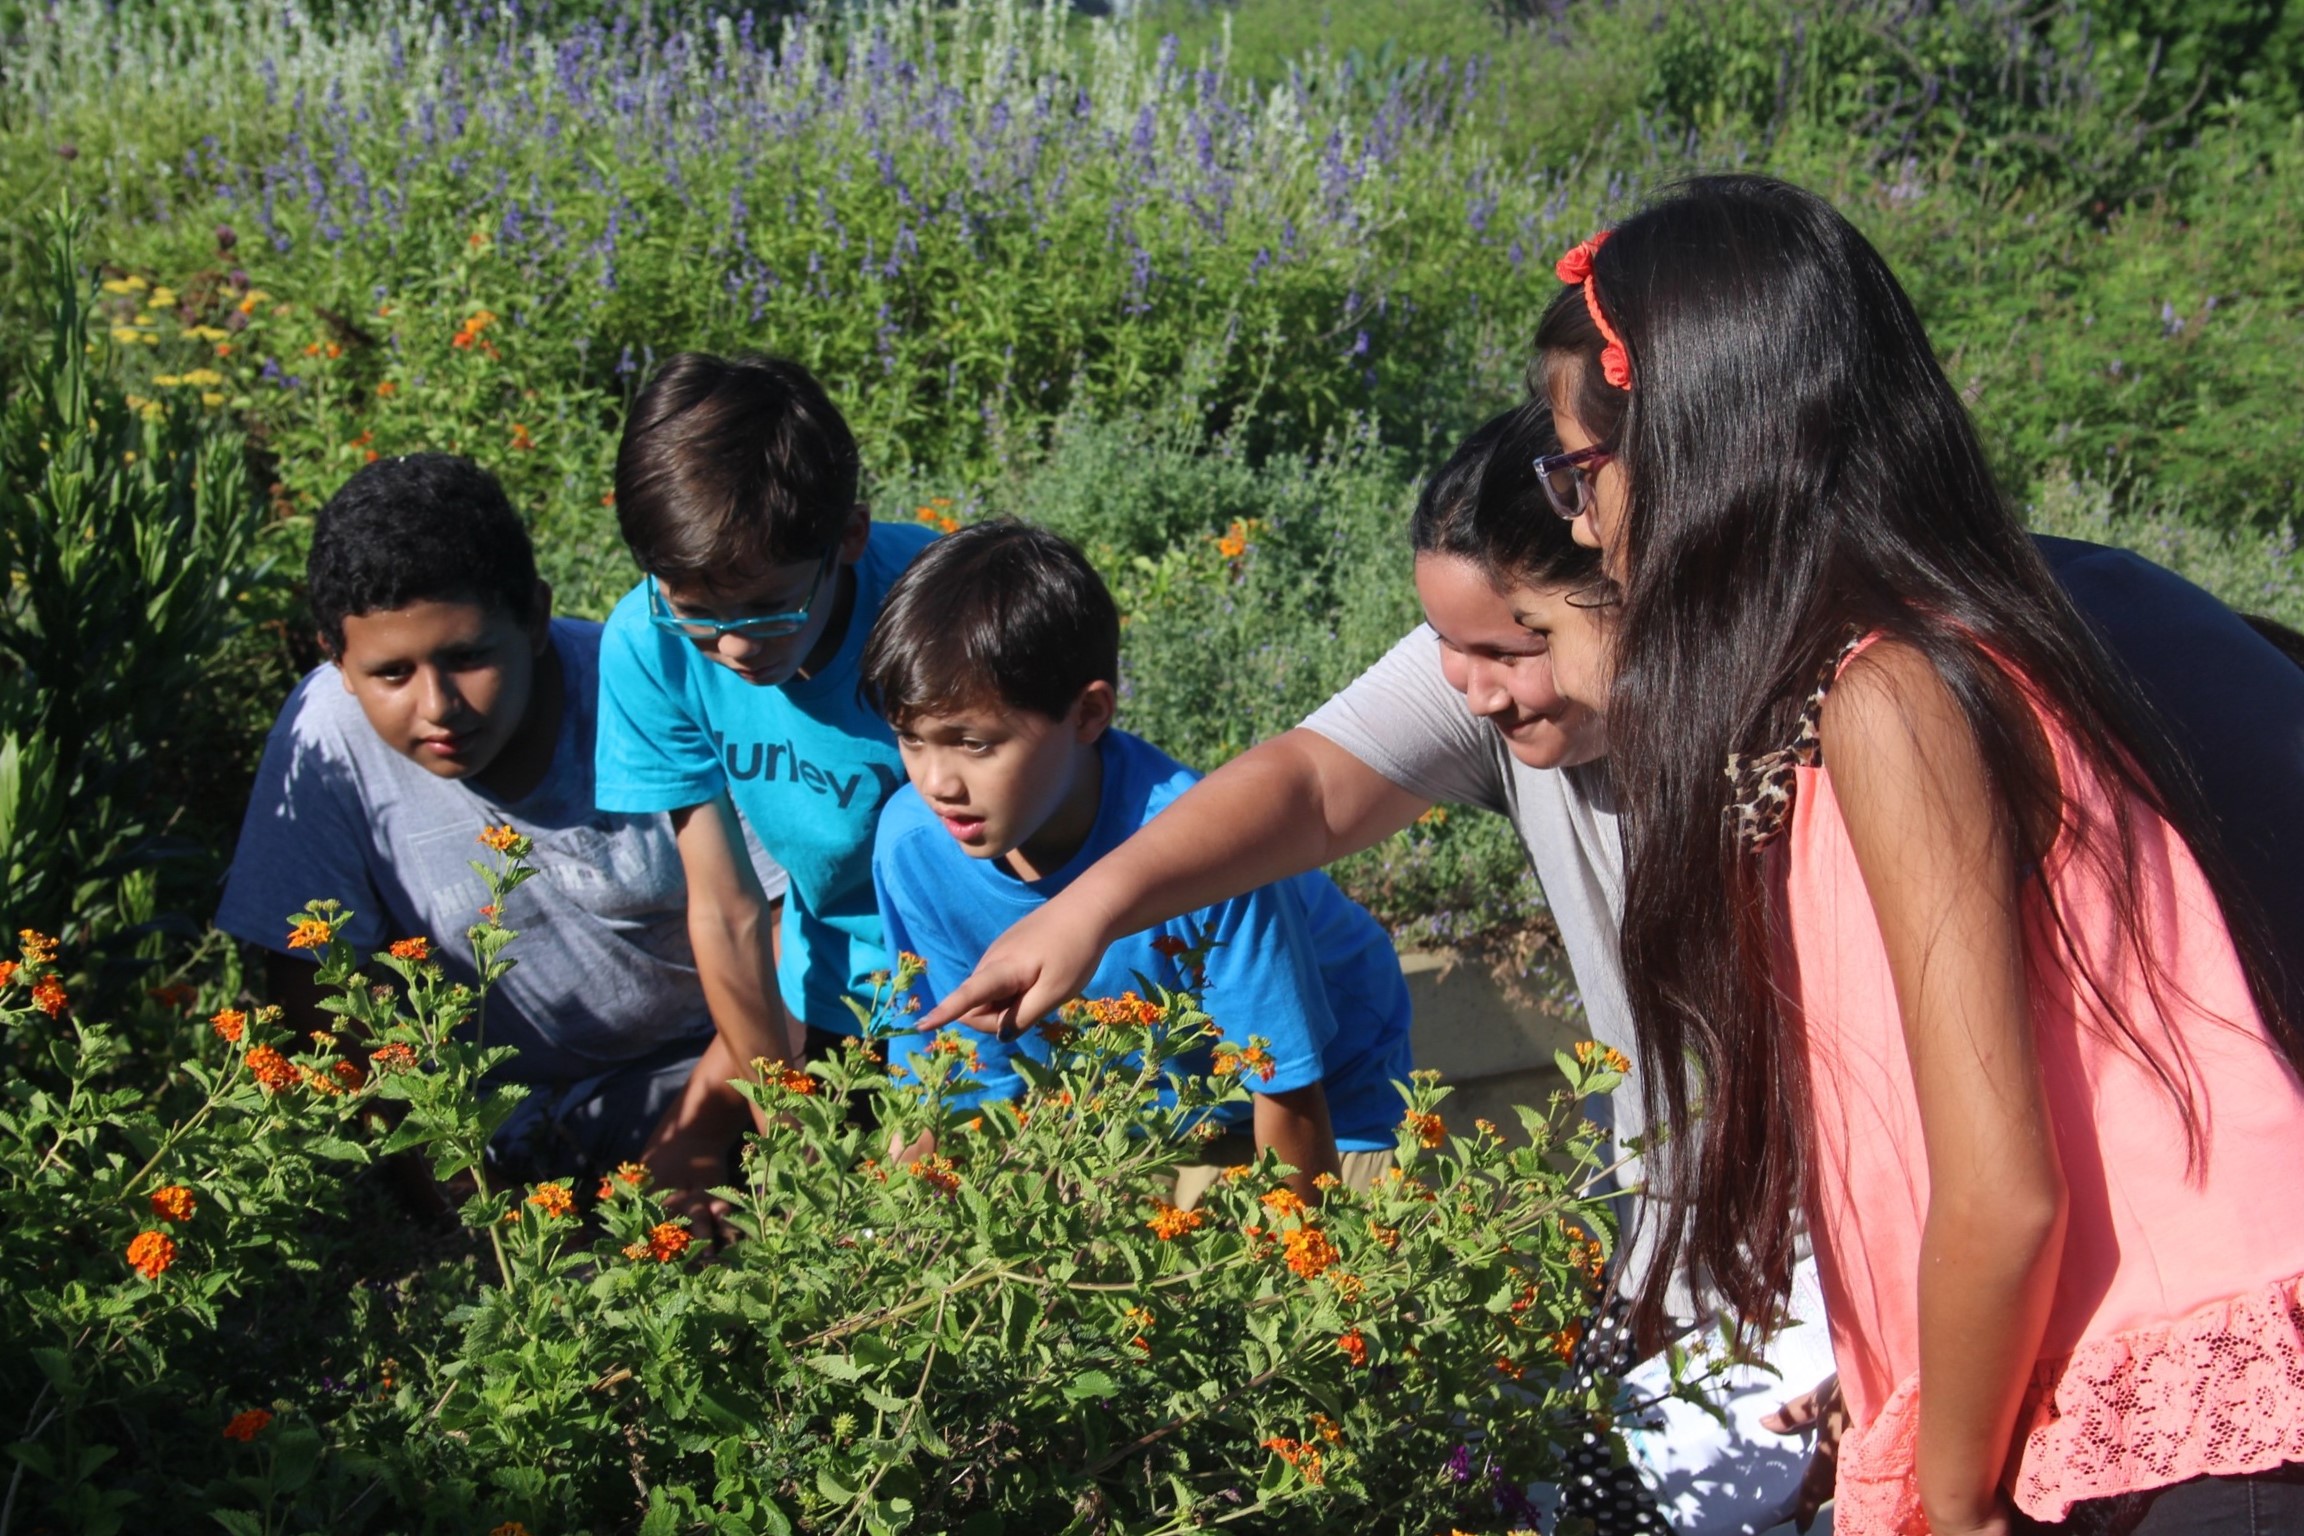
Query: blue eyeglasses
point(764, 625)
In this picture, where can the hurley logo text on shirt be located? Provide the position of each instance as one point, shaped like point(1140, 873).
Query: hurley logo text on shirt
point(781, 760)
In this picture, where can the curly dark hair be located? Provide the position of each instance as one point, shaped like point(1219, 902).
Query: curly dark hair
point(431, 526)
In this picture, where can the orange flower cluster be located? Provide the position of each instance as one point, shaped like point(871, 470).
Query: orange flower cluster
point(1428, 1128)
point(554, 1200)
point(1248, 1058)
point(7, 972)
point(938, 1173)
point(1565, 1341)
point(666, 1241)
point(274, 1073)
point(1592, 1055)
point(503, 839)
point(150, 1254)
point(1309, 1252)
point(1355, 1346)
point(230, 1024)
point(247, 1424)
point(937, 516)
point(310, 933)
point(792, 1080)
point(1233, 543)
point(173, 1202)
point(39, 949)
point(1348, 1287)
point(1386, 1237)
point(953, 1042)
point(417, 950)
point(1127, 1008)
point(1145, 1323)
point(630, 1175)
point(1169, 1223)
point(337, 1078)
point(388, 1059)
point(1302, 1455)
point(49, 997)
point(509, 1527)
point(1282, 1202)
point(468, 334)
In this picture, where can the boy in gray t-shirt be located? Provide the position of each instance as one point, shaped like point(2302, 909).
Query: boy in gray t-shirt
point(455, 701)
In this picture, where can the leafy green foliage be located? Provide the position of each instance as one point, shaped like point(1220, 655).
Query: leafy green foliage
point(1014, 1331)
point(128, 529)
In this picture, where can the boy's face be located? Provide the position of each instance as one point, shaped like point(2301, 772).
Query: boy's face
point(769, 659)
point(1529, 661)
point(998, 778)
point(446, 684)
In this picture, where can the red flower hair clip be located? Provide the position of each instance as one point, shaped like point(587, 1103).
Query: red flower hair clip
point(1576, 268)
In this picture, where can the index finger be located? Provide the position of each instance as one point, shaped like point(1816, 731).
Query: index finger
point(982, 1002)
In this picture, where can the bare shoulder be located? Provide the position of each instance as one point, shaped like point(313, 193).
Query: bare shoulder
point(1890, 703)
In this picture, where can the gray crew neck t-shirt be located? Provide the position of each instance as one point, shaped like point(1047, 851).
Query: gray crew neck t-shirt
point(605, 973)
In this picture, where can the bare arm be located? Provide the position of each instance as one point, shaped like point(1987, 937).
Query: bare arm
point(1943, 881)
point(1294, 803)
point(732, 930)
point(1295, 1125)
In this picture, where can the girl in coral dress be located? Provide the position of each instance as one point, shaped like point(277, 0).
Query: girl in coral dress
point(1921, 894)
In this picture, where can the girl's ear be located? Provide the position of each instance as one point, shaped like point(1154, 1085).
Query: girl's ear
point(1093, 710)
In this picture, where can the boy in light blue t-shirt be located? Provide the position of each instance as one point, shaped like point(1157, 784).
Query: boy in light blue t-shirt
point(995, 658)
point(728, 678)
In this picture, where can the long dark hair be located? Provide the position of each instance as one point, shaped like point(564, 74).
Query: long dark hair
point(1799, 469)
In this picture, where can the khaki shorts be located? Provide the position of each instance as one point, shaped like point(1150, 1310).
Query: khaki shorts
point(1360, 1170)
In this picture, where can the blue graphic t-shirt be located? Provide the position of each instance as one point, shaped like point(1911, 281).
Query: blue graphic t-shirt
point(1296, 961)
point(807, 763)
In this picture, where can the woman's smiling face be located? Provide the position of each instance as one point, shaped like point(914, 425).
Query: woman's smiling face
point(1528, 660)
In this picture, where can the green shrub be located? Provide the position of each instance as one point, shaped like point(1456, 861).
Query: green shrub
point(1014, 1333)
point(129, 529)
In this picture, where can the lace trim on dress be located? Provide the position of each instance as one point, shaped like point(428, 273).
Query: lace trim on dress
point(2219, 1392)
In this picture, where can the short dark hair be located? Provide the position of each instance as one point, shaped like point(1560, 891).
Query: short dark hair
point(727, 462)
point(999, 610)
point(1485, 505)
point(431, 526)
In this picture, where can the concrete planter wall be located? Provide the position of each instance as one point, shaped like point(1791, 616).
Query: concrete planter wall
point(1494, 1048)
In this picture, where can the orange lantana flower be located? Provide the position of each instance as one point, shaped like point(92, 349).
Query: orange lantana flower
point(1169, 1222)
point(49, 997)
point(938, 1173)
point(274, 1073)
point(1309, 1252)
point(391, 1058)
point(554, 1200)
point(503, 839)
point(1428, 1128)
point(1355, 1346)
point(310, 933)
point(150, 1253)
point(247, 1424)
point(417, 949)
point(230, 1024)
point(173, 1202)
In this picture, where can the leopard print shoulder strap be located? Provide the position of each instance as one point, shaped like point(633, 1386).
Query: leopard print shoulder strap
point(1763, 783)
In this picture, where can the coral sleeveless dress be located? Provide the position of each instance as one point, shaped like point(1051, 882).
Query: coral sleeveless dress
point(2175, 1345)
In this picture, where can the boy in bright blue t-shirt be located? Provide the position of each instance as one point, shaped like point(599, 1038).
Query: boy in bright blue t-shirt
point(728, 678)
point(995, 658)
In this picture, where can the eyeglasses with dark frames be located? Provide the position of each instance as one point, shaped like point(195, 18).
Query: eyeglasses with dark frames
point(1567, 478)
point(764, 625)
